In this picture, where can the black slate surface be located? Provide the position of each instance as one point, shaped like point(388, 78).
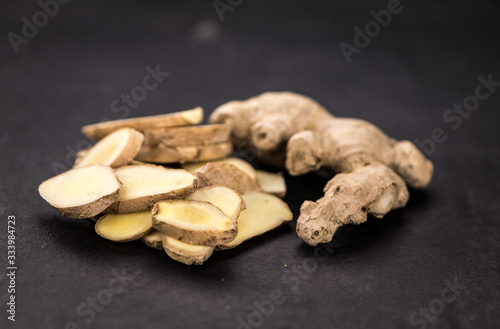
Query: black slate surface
point(394, 272)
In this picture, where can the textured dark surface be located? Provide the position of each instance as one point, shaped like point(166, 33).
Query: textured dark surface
point(377, 274)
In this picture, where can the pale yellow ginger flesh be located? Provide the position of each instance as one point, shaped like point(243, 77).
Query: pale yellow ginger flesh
point(272, 183)
point(226, 199)
point(82, 192)
point(194, 222)
point(115, 150)
point(185, 118)
point(144, 185)
point(124, 227)
point(153, 239)
point(240, 163)
point(263, 213)
point(186, 253)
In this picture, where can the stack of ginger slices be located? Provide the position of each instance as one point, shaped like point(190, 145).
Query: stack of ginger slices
point(168, 181)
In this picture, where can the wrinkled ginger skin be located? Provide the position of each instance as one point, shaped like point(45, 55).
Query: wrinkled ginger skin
point(349, 197)
point(347, 144)
point(226, 174)
point(265, 123)
point(372, 168)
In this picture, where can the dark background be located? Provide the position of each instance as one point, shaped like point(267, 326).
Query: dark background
point(378, 274)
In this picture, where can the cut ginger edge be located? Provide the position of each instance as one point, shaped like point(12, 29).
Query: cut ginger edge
point(99, 130)
point(115, 150)
point(81, 192)
point(264, 212)
point(124, 227)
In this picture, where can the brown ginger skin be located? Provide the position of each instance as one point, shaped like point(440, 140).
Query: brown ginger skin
point(349, 198)
point(372, 167)
point(265, 123)
point(226, 174)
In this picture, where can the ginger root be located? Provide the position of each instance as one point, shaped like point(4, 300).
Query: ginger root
point(349, 197)
point(266, 122)
point(294, 131)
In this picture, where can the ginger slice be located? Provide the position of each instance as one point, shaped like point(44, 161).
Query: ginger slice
point(80, 155)
point(186, 253)
point(185, 118)
point(185, 136)
point(81, 192)
point(226, 174)
point(272, 183)
point(124, 227)
point(263, 213)
point(194, 222)
point(144, 185)
point(240, 163)
point(226, 199)
point(153, 239)
point(114, 150)
point(188, 153)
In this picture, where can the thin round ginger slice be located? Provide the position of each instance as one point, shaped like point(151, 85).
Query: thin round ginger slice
point(153, 239)
point(226, 199)
point(222, 197)
point(240, 163)
point(195, 222)
point(144, 185)
point(272, 183)
point(264, 212)
point(186, 253)
point(124, 227)
point(184, 153)
point(81, 192)
point(115, 150)
point(97, 131)
point(190, 135)
point(226, 174)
